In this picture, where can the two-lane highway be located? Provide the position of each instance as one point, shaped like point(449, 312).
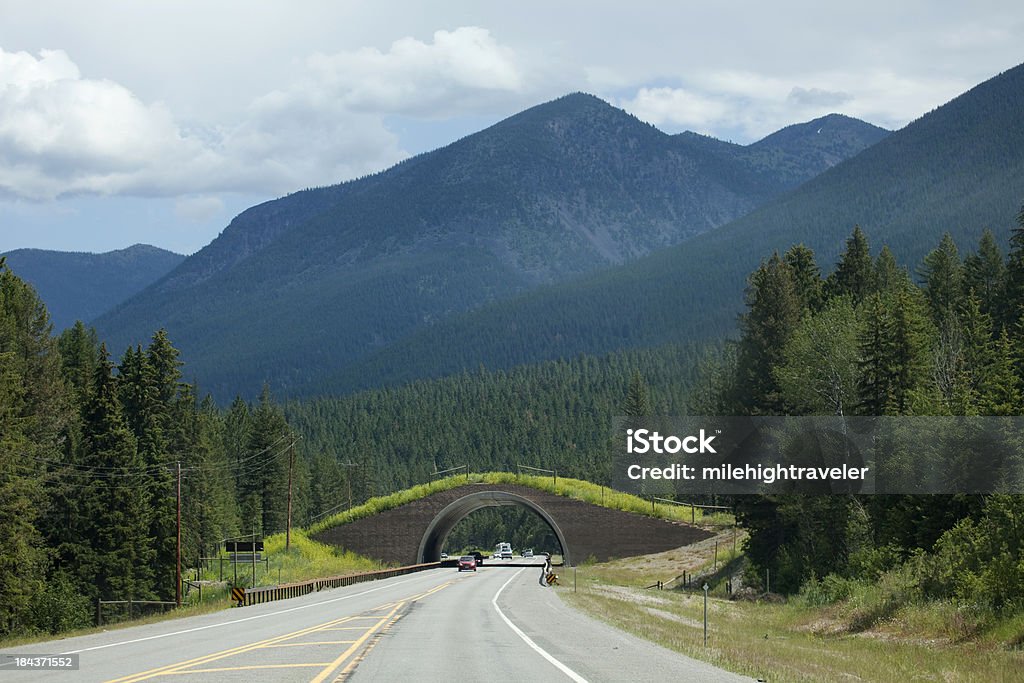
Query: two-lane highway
point(311, 638)
point(502, 625)
point(437, 625)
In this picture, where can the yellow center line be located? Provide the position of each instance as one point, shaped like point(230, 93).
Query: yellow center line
point(355, 661)
point(185, 667)
point(386, 623)
point(343, 628)
point(223, 653)
point(322, 676)
point(315, 642)
point(245, 668)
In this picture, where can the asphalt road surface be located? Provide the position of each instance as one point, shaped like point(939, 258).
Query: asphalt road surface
point(438, 625)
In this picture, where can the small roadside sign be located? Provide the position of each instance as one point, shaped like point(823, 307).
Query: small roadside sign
point(238, 594)
point(243, 546)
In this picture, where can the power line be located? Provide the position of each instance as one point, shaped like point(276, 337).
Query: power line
point(98, 472)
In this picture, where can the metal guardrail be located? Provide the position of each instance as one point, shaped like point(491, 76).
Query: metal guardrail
point(256, 596)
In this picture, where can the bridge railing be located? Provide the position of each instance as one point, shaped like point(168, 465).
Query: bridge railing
point(693, 506)
point(256, 596)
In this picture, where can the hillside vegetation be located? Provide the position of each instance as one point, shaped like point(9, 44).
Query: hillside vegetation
point(83, 286)
point(957, 169)
point(299, 289)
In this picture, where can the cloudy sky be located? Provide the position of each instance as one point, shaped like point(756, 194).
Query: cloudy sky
point(157, 121)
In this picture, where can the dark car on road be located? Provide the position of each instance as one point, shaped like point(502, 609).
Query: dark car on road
point(467, 562)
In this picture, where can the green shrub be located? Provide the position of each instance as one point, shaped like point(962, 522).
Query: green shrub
point(60, 607)
point(826, 591)
point(870, 562)
point(874, 603)
point(981, 561)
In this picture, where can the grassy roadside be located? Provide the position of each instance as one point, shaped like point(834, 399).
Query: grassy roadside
point(215, 602)
point(307, 559)
point(795, 641)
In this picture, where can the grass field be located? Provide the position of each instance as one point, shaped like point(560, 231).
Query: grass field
point(867, 637)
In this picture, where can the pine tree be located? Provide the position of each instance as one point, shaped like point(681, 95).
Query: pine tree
point(963, 357)
point(985, 272)
point(265, 486)
point(150, 392)
point(888, 274)
point(637, 403)
point(34, 413)
point(79, 352)
point(911, 334)
point(943, 277)
point(237, 434)
point(773, 311)
point(1000, 391)
point(1013, 293)
point(895, 345)
point(164, 443)
point(874, 384)
point(855, 273)
point(114, 500)
point(22, 556)
point(806, 276)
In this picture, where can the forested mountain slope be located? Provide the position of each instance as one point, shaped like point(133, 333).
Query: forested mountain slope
point(82, 286)
point(959, 168)
point(307, 284)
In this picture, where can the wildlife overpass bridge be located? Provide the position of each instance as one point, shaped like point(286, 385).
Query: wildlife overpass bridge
point(415, 532)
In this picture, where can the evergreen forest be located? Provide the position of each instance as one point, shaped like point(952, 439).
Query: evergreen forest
point(92, 444)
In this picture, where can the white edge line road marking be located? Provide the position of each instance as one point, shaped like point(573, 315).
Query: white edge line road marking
point(526, 639)
point(237, 621)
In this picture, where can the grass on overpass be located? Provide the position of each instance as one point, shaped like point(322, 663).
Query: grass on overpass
point(576, 489)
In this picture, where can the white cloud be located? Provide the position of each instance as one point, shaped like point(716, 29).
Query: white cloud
point(198, 209)
point(748, 105)
point(62, 133)
point(817, 97)
point(676, 106)
point(459, 69)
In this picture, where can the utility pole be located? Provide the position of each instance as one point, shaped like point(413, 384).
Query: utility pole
point(177, 572)
point(288, 530)
point(253, 552)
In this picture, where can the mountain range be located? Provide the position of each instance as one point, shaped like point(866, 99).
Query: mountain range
point(957, 169)
point(306, 286)
point(82, 286)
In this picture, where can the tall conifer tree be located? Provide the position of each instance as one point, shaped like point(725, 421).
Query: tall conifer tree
point(855, 273)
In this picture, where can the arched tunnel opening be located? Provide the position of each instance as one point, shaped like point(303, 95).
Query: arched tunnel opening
point(436, 538)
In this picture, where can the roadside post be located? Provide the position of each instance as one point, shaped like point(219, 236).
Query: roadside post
point(705, 586)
